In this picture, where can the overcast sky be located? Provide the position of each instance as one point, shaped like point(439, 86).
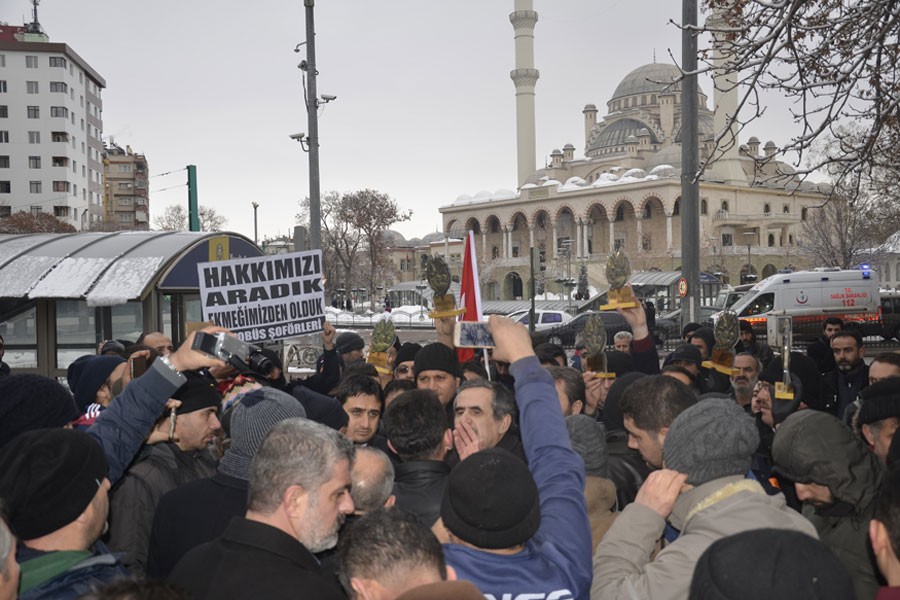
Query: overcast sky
point(425, 108)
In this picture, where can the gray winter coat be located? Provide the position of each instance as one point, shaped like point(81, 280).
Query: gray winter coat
point(814, 447)
point(704, 514)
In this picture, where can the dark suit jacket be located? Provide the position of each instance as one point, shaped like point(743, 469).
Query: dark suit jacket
point(254, 560)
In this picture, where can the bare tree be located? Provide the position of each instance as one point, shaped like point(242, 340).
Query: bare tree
point(836, 61)
point(26, 222)
point(175, 218)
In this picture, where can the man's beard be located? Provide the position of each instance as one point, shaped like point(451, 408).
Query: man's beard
point(314, 538)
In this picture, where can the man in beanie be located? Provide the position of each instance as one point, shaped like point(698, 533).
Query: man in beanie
point(820, 350)
point(199, 511)
point(517, 530)
point(30, 402)
point(702, 492)
point(437, 368)
point(59, 552)
point(836, 478)
point(711, 381)
point(165, 463)
point(794, 566)
point(298, 498)
point(879, 415)
point(349, 347)
point(405, 361)
point(749, 344)
point(91, 379)
point(884, 533)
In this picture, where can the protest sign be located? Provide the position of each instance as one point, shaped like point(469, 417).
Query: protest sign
point(265, 298)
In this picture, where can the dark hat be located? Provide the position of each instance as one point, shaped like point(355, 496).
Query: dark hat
point(88, 375)
point(29, 402)
point(321, 408)
point(588, 439)
point(197, 393)
point(491, 500)
point(407, 352)
point(745, 325)
point(250, 421)
point(619, 362)
point(707, 335)
point(348, 342)
point(794, 565)
point(437, 357)
point(711, 439)
point(48, 477)
point(880, 400)
point(805, 378)
point(612, 415)
point(690, 328)
point(686, 352)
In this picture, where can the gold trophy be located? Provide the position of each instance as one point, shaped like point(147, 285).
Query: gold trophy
point(618, 270)
point(382, 338)
point(595, 348)
point(727, 331)
point(438, 275)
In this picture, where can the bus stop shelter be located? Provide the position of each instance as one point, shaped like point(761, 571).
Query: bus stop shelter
point(62, 294)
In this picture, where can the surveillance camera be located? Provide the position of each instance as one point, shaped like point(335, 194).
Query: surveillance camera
point(297, 137)
point(328, 97)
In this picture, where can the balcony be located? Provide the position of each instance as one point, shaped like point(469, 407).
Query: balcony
point(769, 219)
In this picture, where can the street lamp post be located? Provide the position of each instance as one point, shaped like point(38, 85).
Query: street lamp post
point(421, 288)
point(255, 232)
point(749, 236)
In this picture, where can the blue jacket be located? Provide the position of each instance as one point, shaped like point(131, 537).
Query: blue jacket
point(122, 428)
point(556, 562)
point(99, 568)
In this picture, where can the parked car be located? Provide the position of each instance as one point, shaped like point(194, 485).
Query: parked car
point(890, 315)
point(564, 335)
point(668, 326)
point(545, 319)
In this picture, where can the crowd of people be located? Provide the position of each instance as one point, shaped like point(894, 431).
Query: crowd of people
point(166, 473)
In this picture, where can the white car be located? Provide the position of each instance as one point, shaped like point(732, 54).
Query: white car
point(545, 319)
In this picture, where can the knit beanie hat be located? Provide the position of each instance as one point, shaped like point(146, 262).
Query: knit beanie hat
point(89, 375)
point(197, 393)
point(745, 325)
point(690, 328)
point(589, 441)
point(707, 335)
point(787, 565)
point(686, 352)
point(491, 500)
point(437, 357)
point(619, 362)
point(407, 352)
point(30, 402)
point(880, 400)
point(612, 415)
point(251, 419)
point(711, 439)
point(348, 342)
point(48, 477)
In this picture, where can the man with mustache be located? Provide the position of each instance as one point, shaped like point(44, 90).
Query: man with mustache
point(299, 496)
point(850, 376)
point(742, 384)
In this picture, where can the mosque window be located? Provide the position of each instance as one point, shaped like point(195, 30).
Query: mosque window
point(786, 209)
point(652, 98)
point(704, 207)
point(727, 239)
point(495, 252)
point(648, 211)
point(771, 240)
point(767, 208)
point(676, 210)
point(725, 205)
point(620, 212)
point(643, 100)
point(803, 213)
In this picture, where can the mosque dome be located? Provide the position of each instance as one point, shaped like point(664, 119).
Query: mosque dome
point(394, 236)
point(617, 133)
point(434, 236)
point(654, 78)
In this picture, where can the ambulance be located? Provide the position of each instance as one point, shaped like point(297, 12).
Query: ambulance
point(810, 297)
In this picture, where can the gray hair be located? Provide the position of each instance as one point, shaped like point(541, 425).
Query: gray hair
point(373, 491)
point(759, 365)
point(623, 335)
point(295, 452)
point(6, 544)
point(502, 401)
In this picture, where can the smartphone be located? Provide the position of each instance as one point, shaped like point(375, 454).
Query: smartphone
point(138, 366)
point(472, 334)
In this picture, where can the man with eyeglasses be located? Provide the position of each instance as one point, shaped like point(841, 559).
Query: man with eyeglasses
point(405, 360)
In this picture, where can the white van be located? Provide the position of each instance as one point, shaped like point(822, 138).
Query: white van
point(810, 297)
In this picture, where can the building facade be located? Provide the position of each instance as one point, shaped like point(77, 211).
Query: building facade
point(51, 126)
point(126, 196)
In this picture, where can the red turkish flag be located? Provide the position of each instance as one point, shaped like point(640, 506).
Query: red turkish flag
point(469, 294)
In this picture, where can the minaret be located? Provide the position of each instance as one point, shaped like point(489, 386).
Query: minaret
point(725, 100)
point(525, 77)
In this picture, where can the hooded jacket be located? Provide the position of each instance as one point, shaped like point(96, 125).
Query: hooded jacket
point(815, 447)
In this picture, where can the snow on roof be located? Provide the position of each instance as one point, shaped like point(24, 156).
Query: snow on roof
point(71, 278)
point(124, 281)
point(19, 276)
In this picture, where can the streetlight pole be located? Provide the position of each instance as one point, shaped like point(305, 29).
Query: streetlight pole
point(312, 110)
point(255, 233)
point(749, 236)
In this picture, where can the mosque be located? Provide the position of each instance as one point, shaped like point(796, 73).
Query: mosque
point(625, 190)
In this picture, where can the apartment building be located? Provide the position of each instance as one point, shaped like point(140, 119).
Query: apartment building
point(126, 202)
